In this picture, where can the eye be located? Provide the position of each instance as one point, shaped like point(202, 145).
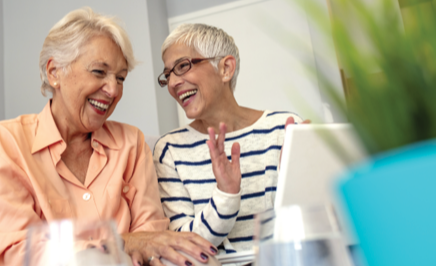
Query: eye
point(183, 65)
point(98, 72)
point(121, 80)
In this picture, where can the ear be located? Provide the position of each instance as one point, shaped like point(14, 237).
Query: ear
point(52, 73)
point(228, 68)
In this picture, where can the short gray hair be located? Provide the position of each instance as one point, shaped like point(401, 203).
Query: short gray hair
point(67, 37)
point(208, 41)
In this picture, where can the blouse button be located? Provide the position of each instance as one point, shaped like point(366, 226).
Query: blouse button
point(126, 189)
point(86, 196)
point(95, 144)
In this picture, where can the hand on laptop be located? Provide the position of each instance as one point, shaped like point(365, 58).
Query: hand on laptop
point(290, 120)
point(227, 174)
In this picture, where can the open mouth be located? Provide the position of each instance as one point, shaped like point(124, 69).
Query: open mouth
point(185, 96)
point(98, 105)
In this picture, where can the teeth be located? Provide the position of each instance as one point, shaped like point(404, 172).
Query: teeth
point(186, 94)
point(99, 105)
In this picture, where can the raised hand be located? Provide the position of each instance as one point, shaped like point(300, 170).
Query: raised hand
point(227, 174)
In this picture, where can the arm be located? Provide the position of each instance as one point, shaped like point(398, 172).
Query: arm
point(217, 217)
point(16, 205)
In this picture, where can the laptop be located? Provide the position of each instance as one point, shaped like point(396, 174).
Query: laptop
point(313, 157)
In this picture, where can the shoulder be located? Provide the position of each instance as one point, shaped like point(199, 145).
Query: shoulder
point(279, 117)
point(123, 134)
point(20, 121)
point(175, 136)
point(121, 129)
point(19, 125)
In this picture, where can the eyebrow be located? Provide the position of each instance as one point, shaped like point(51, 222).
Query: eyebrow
point(176, 62)
point(104, 64)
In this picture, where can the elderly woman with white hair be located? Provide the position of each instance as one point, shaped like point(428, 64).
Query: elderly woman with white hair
point(70, 162)
point(215, 187)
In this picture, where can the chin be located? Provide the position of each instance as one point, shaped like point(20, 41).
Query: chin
point(192, 114)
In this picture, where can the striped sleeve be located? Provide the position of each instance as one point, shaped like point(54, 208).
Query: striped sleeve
point(216, 218)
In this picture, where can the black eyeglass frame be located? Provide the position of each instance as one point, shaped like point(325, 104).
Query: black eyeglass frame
point(192, 61)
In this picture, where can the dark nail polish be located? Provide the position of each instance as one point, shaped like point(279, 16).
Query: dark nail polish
point(188, 263)
point(104, 247)
point(92, 246)
point(203, 256)
point(140, 264)
point(214, 250)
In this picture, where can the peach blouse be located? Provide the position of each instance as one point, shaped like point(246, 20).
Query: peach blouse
point(35, 184)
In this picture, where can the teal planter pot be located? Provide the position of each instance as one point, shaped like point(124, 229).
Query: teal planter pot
point(391, 201)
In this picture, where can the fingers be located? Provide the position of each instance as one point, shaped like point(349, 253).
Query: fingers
point(211, 132)
point(202, 243)
point(192, 247)
point(154, 261)
point(289, 121)
point(211, 144)
point(176, 258)
point(221, 138)
point(236, 154)
point(137, 259)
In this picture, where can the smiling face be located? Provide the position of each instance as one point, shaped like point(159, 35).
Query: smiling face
point(201, 90)
point(88, 93)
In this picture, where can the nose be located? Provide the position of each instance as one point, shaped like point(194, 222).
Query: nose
point(111, 87)
point(174, 81)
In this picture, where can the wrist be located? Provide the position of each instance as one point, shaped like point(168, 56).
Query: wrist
point(229, 190)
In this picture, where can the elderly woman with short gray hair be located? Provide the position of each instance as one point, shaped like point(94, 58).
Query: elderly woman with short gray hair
point(70, 162)
point(202, 190)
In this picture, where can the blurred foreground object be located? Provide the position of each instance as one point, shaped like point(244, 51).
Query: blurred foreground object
point(391, 202)
point(300, 235)
point(388, 54)
point(75, 243)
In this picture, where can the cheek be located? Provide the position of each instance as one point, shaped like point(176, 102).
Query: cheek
point(172, 93)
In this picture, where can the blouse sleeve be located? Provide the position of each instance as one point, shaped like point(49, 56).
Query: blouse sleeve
point(17, 205)
point(146, 209)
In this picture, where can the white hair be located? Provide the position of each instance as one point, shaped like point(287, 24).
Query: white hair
point(65, 40)
point(208, 41)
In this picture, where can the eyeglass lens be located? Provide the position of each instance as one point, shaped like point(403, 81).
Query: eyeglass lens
point(179, 69)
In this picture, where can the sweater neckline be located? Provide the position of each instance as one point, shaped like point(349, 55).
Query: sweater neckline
point(233, 133)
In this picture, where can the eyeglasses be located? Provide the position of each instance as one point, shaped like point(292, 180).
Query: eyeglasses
point(180, 68)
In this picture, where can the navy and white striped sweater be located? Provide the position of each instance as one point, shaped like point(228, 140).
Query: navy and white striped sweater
point(188, 189)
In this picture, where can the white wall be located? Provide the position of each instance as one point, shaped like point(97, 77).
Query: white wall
point(2, 94)
point(26, 24)
point(158, 25)
point(282, 56)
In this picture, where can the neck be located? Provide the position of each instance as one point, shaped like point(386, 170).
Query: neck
point(68, 132)
point(234, 116)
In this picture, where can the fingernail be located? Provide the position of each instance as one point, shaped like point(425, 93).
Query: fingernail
point(140, 264)
point(92, 246)
point(104, 247)
point(188, 263)
point(203, 256)
point(214, 250)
